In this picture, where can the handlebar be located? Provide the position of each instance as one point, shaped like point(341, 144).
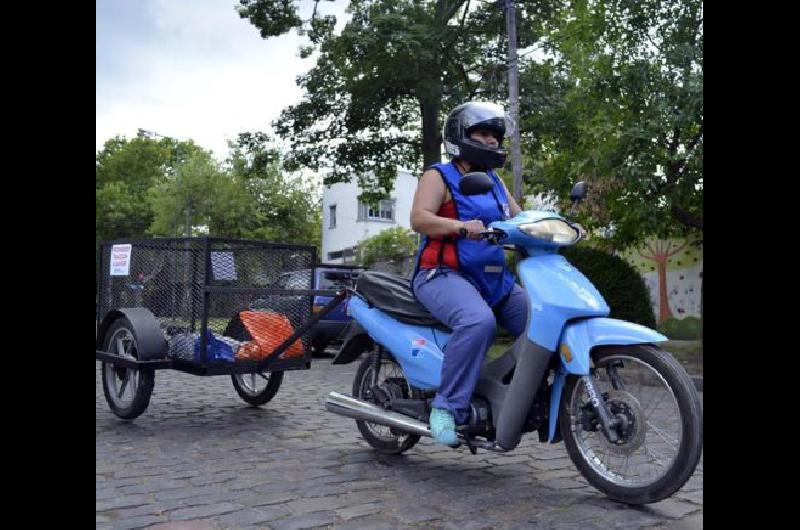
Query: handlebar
point(492, 236)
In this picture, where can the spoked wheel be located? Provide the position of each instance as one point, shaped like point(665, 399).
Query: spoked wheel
point(660, 424)
point(257, 388)
point(127, 390)
point(392, 382)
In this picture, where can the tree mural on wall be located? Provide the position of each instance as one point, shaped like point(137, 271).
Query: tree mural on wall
point(687, 284)
point(682, 288)
point(660, 251)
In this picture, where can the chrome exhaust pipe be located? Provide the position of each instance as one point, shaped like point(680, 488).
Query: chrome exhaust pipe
point(351, 407)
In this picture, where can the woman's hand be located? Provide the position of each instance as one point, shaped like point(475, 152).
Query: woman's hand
point(471, 229)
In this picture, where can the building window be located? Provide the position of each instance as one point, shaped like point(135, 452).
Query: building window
point(348, 254)
point(383, 212)
point(332, 217)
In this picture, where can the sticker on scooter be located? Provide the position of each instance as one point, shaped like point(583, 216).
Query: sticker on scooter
point(416, 347)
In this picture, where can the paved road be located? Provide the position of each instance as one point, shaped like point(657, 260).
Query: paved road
point(199, 457)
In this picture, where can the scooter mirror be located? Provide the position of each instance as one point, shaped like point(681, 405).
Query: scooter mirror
point(475, 183)
point(578, 191)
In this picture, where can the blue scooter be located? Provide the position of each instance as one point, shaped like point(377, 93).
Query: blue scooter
point(627, 411)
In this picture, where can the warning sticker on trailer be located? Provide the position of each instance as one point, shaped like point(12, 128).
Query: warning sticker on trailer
point(120, 260)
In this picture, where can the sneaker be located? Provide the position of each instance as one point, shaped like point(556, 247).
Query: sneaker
point(443, 427)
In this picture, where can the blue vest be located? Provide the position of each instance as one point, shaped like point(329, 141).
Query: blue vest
point(482, 264)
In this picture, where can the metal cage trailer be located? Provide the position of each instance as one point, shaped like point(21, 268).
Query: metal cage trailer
point(204, 306)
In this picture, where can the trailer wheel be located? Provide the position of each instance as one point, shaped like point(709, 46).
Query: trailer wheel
point(257, 388)
point(127, 390)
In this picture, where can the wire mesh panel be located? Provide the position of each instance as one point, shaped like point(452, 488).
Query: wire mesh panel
point(216, 300)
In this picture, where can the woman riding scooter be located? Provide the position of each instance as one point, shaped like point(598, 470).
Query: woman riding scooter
point(464, 281)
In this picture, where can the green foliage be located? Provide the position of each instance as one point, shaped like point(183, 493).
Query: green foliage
point(393, 244)
point(124, 170)
point(620, 284)
point(620, 104)
point(189, 192)
point(147, 188)
point(283, 208)
point(375, 97)
point(687, 328)
point(119, 212)
point(676, 254)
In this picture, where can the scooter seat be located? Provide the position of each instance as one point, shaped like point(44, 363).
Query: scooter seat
point(392, 294)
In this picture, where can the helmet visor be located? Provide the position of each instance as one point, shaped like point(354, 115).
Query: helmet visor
point(489, 116)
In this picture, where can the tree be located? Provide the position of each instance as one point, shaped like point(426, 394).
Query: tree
point(621, 104)
point(375, 97)
point(284, 207)
point(124, 170)
point(138, 162)
point(393, 245)
point(148, 188)
point(200, 193)
point(659, 252)
point(119, 212)
point(663, 256)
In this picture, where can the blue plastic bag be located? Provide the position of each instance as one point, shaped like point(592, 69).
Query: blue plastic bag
point(217, 350)
point(181, 346)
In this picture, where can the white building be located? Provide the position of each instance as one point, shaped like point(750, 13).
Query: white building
point(346, 221)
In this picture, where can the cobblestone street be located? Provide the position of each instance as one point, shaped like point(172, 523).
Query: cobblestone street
point(199, 454)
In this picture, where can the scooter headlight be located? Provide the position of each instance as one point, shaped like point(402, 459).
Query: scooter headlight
point(555, 230)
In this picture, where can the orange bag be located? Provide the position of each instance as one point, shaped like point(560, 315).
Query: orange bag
point(268, 330)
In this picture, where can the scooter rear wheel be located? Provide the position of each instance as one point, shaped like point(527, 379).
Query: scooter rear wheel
point(390, 378)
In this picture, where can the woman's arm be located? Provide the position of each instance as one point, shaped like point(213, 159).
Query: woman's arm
point(512, 204)
point(428, 199)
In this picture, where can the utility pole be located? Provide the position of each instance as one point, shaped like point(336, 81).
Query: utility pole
point(513, 97)
point(189, 217)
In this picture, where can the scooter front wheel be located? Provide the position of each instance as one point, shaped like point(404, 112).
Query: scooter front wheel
point(660, 424)
point(392, 381)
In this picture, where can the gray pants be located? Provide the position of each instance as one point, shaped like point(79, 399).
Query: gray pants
point(455, 301)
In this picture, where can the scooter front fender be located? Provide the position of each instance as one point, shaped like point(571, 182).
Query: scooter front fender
point(577, 341)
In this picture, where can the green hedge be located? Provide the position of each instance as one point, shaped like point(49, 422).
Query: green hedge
point(620, 284)
point(391, 244)
point(687, 328)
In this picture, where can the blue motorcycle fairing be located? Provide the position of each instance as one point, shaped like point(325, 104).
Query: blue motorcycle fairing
point(557, 293)
point(576, 345)
point(418, 349)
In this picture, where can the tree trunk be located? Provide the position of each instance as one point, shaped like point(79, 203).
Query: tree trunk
point(431, 136)
point(701, 314)
point(664, 311)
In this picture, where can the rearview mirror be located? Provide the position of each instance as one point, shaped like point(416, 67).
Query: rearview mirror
point(578, 191)
point(475, 183)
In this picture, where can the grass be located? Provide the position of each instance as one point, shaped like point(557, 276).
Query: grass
point(688, 352)
point(214, 324)
point(498, 348)
point(685, 350)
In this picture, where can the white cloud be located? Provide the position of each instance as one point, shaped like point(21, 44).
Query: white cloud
point(191, 69)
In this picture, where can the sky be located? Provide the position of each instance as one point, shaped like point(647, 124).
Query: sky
point(192, 69)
